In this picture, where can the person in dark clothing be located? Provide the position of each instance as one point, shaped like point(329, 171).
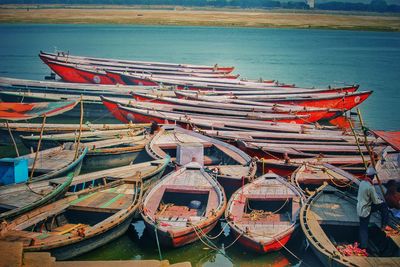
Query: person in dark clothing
point(153, 127)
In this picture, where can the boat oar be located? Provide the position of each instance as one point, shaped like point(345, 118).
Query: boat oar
point(80, 130)
point(12, 138)
point(38, 147)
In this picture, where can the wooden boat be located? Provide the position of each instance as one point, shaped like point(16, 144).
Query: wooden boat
point(230, 165)
point(315, 114)
point(56, 162)
point(149, 171)
point(93, 107)
point(184, 206)
point(334, 137)
point(315, 175)
point(188, 110)
point(329, 218)
point(344, 101)
point(18, 129)
point(223, 80)
point(223, 87)
point(54, 140)
point(129, 114)
point(20, 198)
point(285, 168)
point(23, 85)
point(96, 74)
point(281, 150)
point(25, 111)
point(78, 223)
point(111, 153)
point(82, 71)
point(263, 214)
point(63, 57)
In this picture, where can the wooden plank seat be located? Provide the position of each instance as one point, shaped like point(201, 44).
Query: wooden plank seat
point(67, 228)
point(103, 200)
point(53, 161)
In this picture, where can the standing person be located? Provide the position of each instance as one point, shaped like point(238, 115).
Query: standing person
point(368, 202)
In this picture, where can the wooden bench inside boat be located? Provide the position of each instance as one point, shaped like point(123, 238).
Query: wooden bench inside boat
point(105, 201)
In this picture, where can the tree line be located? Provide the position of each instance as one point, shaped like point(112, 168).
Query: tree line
point(374, 6)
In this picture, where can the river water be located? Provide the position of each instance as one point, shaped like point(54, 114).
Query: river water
point(304, 57)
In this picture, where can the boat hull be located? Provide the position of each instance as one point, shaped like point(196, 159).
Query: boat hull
point(86, 245)
point(99, 160)
point(262, 248)
point(67, 73)
point(95, 77)
point(74, 167)
point(168, 239)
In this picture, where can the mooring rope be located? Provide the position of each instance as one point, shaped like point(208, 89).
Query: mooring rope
point(158, 243)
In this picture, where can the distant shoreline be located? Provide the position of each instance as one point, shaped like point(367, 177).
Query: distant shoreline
point(179, 16)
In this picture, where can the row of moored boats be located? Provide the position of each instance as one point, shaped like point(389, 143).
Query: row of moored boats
point(195, 145)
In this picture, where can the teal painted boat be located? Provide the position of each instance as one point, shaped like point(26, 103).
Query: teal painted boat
point(97, 209)
point(56, 162)
point(53, 140)
point(113, 153)
point(20, 198)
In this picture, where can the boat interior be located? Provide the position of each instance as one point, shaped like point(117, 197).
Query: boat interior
point(50, 160)
point(338, 224)
point(262, 210)
point(183, 204)
point(212, 155)
point(379, 245)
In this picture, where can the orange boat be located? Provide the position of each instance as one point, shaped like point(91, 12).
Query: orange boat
point(26, 111)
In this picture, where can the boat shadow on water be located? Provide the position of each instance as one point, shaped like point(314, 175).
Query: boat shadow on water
point(137, 244)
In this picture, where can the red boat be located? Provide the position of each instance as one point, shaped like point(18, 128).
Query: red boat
point(126, 76)
point(206, 111)
point(94, 76)
point(67, 72)
point(25, 111)
point(223, 86)
point(104, 63)
point(315, 114)
point(300, 150)
point(127, 114)
point(342, 101)
point(263, 213)
point(184, 206)
point(285, 168)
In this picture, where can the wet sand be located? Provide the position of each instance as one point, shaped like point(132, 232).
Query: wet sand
point(196, 17)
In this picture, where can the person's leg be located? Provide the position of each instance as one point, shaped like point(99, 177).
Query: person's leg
point(383, 209)
point(363, 231)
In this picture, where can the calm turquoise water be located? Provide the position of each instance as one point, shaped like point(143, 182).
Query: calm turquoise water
point(304, 57)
